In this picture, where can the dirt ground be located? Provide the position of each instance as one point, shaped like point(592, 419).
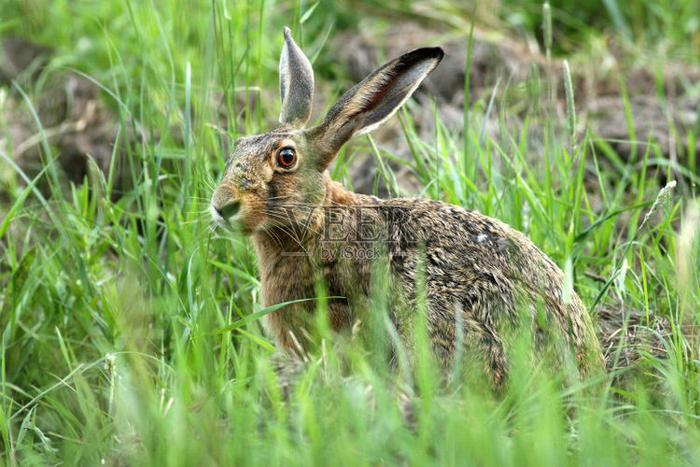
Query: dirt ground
point(665, 103)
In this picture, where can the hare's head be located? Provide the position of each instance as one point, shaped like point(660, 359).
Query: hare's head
point(277, 177)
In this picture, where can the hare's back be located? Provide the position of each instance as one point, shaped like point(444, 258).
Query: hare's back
point(461, 245)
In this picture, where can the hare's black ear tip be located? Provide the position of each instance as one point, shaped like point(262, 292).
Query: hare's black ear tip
point(437, 53)
point(425, 53)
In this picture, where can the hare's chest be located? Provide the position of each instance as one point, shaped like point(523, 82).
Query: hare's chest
point(287, 279)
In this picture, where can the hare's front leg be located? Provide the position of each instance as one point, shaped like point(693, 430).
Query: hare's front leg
point(339, 315)
point(292, 327)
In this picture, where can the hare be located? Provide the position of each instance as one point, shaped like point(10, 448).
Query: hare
point(478, 277)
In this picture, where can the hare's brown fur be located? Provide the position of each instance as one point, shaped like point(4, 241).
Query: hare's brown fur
point(468, 262)
point(480, 278)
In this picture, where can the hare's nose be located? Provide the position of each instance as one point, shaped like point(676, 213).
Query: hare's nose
point(229, 209)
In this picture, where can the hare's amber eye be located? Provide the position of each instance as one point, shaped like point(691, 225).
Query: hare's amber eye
point(286, 158)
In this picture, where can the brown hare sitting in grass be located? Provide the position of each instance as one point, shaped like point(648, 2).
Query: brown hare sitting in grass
point(474, 272)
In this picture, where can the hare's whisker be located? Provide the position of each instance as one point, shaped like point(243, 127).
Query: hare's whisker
point(277, 216)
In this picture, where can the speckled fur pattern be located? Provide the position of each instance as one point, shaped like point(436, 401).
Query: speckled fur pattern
point(468, 263)
point(481, 280)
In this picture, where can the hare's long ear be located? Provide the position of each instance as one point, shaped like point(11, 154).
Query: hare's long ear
point(296, 83)
point(374, 100)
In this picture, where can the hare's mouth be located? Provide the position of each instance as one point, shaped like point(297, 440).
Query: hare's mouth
point(226, 213)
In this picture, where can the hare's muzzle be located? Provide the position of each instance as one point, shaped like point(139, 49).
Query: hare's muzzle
point(225, 205)
point(229, 209)
point(226, 210)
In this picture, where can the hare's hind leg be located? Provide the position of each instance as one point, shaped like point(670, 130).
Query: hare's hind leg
point(488, 345)
point(477, 341)
point(495, 357)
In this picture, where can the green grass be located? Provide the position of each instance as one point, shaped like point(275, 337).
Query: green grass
point(126, 330)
